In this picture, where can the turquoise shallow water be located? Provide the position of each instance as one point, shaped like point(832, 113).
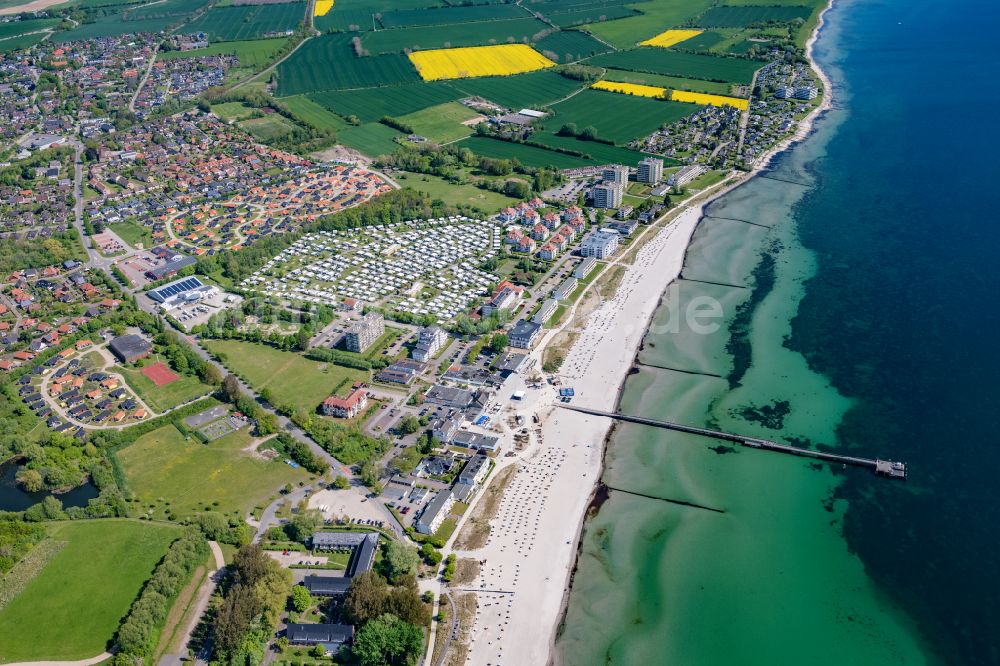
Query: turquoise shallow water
point(866, 326)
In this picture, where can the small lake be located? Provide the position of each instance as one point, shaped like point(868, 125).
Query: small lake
point(15, 498)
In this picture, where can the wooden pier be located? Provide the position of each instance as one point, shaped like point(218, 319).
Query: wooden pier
point(886, 468)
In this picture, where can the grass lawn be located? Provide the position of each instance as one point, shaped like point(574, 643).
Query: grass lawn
point(441, 123)
point(450, 193)
point(179, 475)
point(162, 398)
point(294, 379)
point(270, 127)
point(133, 234)
point(73, 606)
point(229, 111)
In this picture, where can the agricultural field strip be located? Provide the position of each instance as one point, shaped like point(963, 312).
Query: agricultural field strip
point(674, 95)
point(499, 60)
point(419, 267)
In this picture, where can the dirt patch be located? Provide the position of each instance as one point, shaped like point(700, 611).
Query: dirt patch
point(477, 529)
point(342, 154)
point(466, 571)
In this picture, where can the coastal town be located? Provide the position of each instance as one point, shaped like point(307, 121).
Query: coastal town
point(296, 368)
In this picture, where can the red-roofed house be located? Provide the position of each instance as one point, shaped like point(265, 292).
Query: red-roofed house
point(349, 407)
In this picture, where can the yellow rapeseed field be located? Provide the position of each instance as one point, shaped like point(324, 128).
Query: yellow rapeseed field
point(704, 98)
point(499, 60)
point(322, 7)
point(670, 37)
point(630, 89)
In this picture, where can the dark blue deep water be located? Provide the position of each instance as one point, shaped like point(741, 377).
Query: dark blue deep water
point(903, 313)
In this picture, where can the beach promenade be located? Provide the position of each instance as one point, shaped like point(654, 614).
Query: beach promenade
point(526, 563)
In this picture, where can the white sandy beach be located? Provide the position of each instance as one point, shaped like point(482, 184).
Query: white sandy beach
point(532, 546)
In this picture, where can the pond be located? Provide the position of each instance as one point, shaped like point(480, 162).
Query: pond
point(14, 498)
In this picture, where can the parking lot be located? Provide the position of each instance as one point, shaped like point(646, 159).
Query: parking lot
point(200, 312)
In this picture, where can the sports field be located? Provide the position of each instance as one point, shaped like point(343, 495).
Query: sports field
point(310, 68)
point(618, 118)
point(516, 92)
point(668, 38)
point(441, 123)
point(162, 398)
point(171, 474)
point(500, 60)
point(246, 22)
point(466, 34)
point(372, 139)
point(73, 606)
point(370, 104)
point(293, 378)
point(160, 374)
point(673, 63)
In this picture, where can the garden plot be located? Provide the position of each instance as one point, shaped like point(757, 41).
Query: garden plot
point(419, 267)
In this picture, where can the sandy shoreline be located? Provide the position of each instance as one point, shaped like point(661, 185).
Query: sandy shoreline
point(528, 563)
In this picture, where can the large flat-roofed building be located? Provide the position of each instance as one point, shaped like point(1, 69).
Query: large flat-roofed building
point(565, 288)
point(364, 332)
point(430, 341)
point(435, 512)
point(685, 175)
point(349, 407)
point(583, 268)
point(616, 173)
point(402, 372)
point(475, 440)
point(176, 289)
point(330, 636)
point(523, 334)
point(650, 170)
point(607, 196)
point(475, 470)
point(545, 310)
point(600, 244)
point(130, 348)
point(446, 396)
point(327, 586)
